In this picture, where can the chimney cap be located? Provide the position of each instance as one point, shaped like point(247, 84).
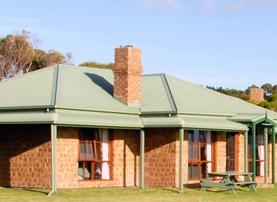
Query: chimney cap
point(126, 46)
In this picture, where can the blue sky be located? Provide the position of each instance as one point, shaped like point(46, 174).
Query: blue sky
point(209, 42)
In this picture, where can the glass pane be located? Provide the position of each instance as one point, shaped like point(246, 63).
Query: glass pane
point(99, 151)
point(84, 170)
point(202, 137)
point(190, 152)
point(195, 152)
point(98, 171)
point(96, 135)
point(82, 150)
point(90, 152)
point(193, 172)
point(196, 136)
point(190, 137)
point(203, 154)
point(203, 170)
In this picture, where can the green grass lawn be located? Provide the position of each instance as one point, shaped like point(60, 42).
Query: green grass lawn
point(135, 195)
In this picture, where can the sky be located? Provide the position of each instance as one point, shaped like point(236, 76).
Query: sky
point(228, 43)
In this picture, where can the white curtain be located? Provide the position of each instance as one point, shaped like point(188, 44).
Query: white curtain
point(261, 157)
point(209, 152)
point(105, 155)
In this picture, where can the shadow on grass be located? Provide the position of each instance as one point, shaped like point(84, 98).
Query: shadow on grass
point(44, 192)
point(196, 187)
point(170, 190)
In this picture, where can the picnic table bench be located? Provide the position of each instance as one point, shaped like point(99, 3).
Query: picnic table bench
point(228, 180)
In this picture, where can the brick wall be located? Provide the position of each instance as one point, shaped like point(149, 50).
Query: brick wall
point(185, 158)
point(67, 157)
point(161, 157)
point(239, 141)
point(220, 152)
point(25, 156)
point(124, 159)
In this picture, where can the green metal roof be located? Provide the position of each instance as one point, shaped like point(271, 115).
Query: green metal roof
point(63, 86)
point(32, 89)
point(81, 95)
point(195, 99)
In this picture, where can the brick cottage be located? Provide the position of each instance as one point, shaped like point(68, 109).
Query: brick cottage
point(73, 127)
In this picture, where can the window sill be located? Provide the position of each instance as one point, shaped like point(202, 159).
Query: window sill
point(92, 180)
point(193, 181)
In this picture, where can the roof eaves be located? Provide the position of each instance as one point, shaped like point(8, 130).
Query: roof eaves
point(20, 108)
point(206, 114)
point(101, 111)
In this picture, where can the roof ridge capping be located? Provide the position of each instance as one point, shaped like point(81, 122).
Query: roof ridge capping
point(169, 94)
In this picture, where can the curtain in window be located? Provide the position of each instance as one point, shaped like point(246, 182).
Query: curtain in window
point(261, 157)
point(105, 155)
point(209, 151)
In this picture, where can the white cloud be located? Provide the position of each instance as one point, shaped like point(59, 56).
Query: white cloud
point(234, 6)
point(160, 5)
point(206, 5)
point(248, 4)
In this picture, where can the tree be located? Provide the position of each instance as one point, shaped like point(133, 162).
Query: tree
point(267, 89)
point(16, 55)
point(274, 89)
point(45, 59)
point(97, 65)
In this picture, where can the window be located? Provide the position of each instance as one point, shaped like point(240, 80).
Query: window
point(94, 160)
point(259, 150)
point(231, 147)
point(200, 154)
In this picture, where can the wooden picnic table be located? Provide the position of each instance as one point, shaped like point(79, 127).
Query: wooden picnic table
point(228, 180)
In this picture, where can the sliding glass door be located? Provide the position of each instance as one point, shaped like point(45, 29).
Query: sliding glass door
point(200, 154)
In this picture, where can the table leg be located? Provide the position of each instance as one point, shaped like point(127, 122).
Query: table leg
point(252, 187)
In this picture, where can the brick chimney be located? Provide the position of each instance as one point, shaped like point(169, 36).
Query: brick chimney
point(127, 75)
point(256, 94)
